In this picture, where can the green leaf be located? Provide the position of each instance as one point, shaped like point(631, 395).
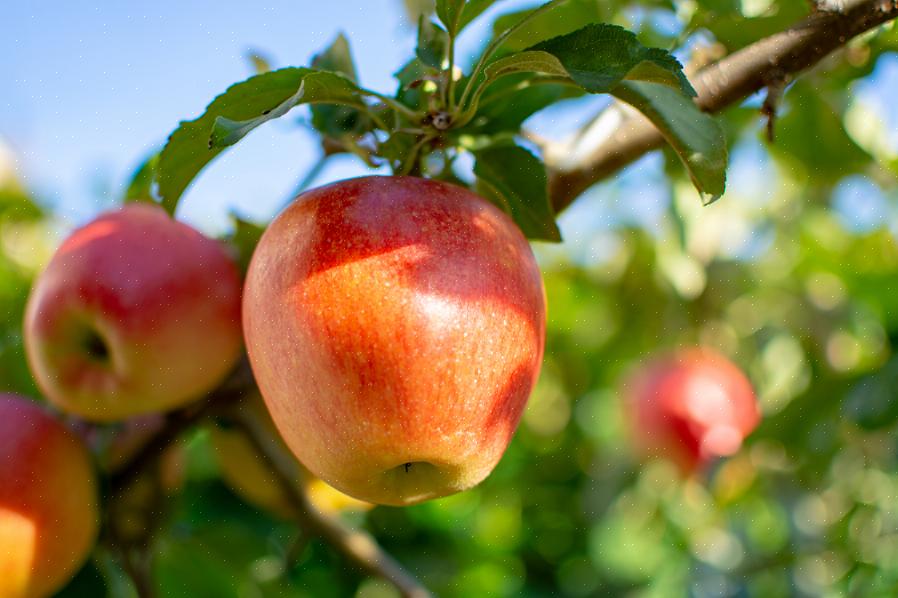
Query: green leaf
point(599, 56)
point(562, 19)
point(432, 43)
point(336, 58)
point(140, 188)
point(518, 184)
point(472, 10)
point(526, 62)
point(315, 87)
point(187, 151)
point(244, 239)
point(450, 12)
point(511, 100)
point(235, 113)
point(696, 137)
point(334, 120)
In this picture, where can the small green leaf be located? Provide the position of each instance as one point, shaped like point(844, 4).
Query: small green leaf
point(337, 121)
point(140, 188)
point(315, 87)
point(258, 61)
point(518, 183)
point(599, 56)
point(244, 239)
point(472, 10)
point(432, 43)
point(450, 12)
point(187, 151)
point(696, 137)
point(336, 58)
point(532, 61)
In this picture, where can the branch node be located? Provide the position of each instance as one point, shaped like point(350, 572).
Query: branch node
point(776, 86)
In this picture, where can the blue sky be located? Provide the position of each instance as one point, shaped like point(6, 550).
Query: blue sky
point(88, 91)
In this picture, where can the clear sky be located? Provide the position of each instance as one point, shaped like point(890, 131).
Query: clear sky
point(89, 89)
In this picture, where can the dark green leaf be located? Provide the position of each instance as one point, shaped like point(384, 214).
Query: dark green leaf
point(512, 100)
point(336, 58)
point(450, 12)
point(140, 188)
point(432, 43)
point(518, 179)
point(599, 56)
point(244, 239)
point(697, 138)
point(873, 403)
point(188, 152)
point(337, 121)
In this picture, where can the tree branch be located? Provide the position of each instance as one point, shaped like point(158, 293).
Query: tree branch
point(724, 83)
point(356, 546)
point(238, 384)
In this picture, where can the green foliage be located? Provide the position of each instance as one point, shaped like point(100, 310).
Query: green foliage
point(515, 180)
point(435, 110)
point(696, 137)
point(772, 275)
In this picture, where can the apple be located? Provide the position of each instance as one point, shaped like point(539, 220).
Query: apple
point(136, 313)
point(49, 513)
point(247, 473)
point(691, 406)
point(395, 326)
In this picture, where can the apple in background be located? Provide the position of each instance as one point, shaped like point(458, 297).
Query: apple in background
point(395, 326)
point(48, 501)
point(247, 473)
point(136, 313)
point(691, 407)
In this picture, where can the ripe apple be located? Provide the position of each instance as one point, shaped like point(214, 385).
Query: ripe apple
point(691, 407)
point(136, 313)
point(48, 501)
point(395, 326)
point(247, 473)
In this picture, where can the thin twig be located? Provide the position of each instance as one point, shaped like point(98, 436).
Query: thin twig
point(356, 546)
point(234, 388)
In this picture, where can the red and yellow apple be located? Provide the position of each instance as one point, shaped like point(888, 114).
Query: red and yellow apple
point(395, 326)
point(691, 407)
point(252, 478)
point(136, 313)
point(48, 501)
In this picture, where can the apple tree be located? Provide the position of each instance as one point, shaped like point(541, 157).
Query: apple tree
point(649, 358)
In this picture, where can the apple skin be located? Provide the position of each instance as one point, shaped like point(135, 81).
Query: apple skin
point(245, 471)
point(49, 513)
point(691, 407)
point(396, 327)
point(136, 313)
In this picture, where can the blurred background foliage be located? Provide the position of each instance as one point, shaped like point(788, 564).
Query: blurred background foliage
point(793, 274)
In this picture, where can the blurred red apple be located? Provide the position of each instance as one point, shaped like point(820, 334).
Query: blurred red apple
point(691, 407)
point(396, 327)
point(48, 501)
point(136, 313)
